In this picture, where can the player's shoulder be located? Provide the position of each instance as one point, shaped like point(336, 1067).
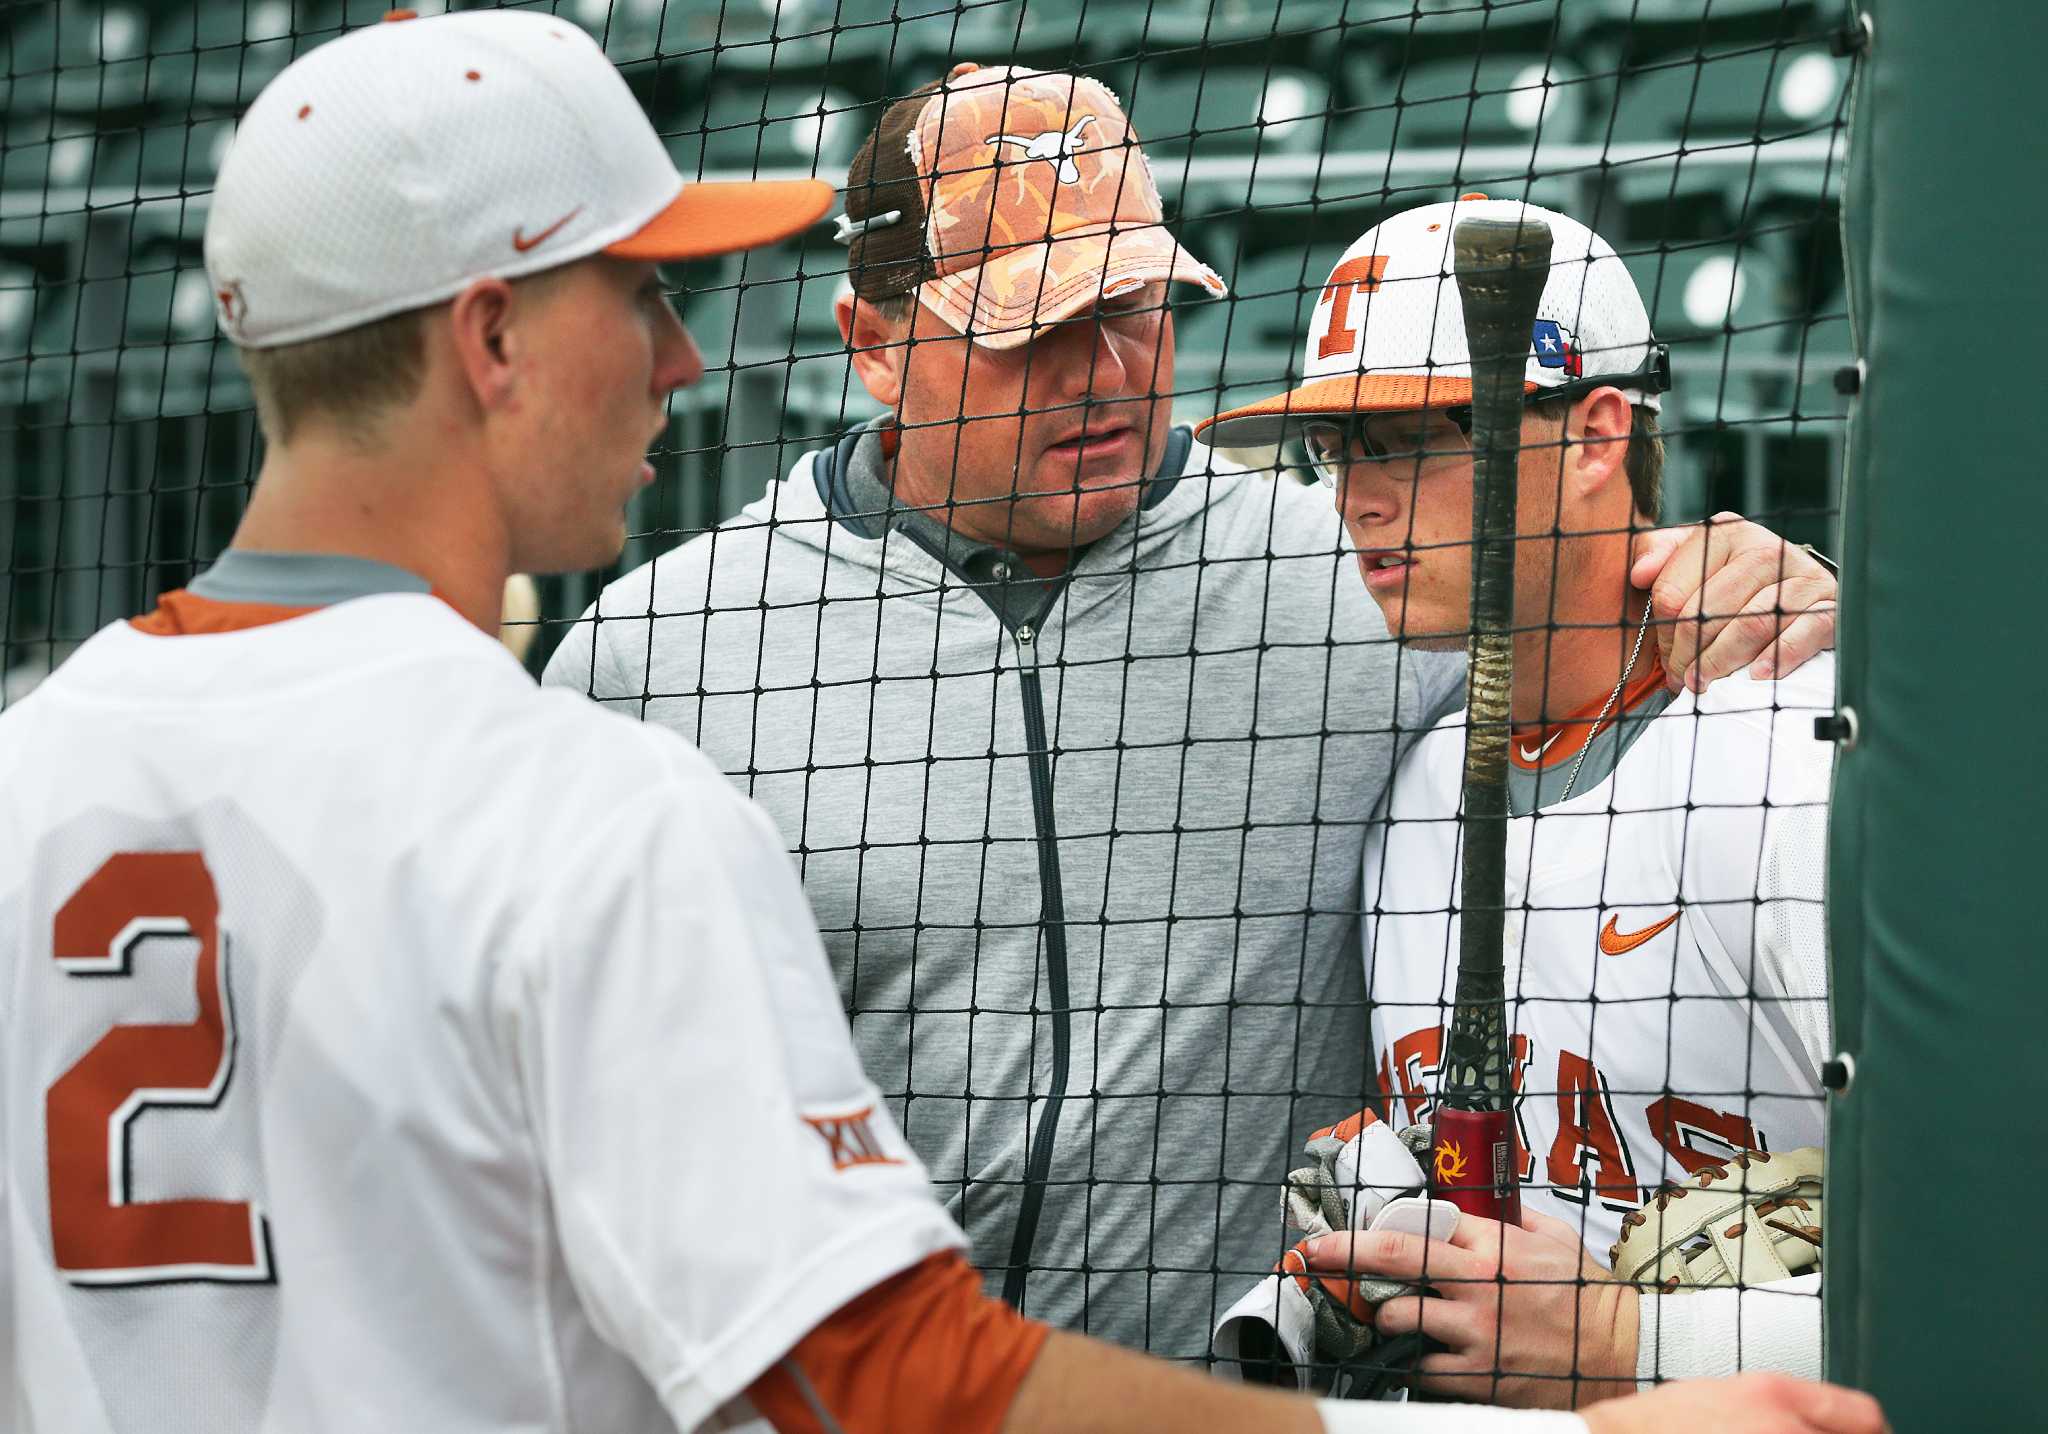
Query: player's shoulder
point(1808, 689)
point(443, 708)
point(620, 813)
point(1429, 776)
point(1745, 736)
point(599, 761)
point(1740, 708)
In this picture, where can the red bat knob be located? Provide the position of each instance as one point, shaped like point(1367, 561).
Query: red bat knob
point(1473, 1163)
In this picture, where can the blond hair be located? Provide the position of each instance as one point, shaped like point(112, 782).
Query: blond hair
point(347, 380)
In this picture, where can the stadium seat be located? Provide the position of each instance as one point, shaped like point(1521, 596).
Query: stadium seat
point(1750, 94)
point(708, 300)
point(1458, 19)
point(1043, 34)
point(748, 129)
point(819, 268)
point(1250, 343)
point(1229, 111)
point(766, 306)
point(1662, 197)
point(41, 336)
point(1694, 14)
point(628, 29)
point(1514, 100)
point(1700, 290)
point(1390, 37)
point(17, 315)
point(883, 36)
point(47, 152)
point(1730, 314)
point(78, 58)
point(1307, 29)
point(168, 346)
point(689, 28)
point(168, 298)
point(1227, 232)
point(164, 157)
point(219, 55)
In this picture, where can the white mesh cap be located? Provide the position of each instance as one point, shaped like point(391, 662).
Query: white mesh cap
point(390, 168)
point(1388, 330)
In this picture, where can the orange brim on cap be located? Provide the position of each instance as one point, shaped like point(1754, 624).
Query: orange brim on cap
point(1272, 419)
point(724, 217)
point(1003, 303)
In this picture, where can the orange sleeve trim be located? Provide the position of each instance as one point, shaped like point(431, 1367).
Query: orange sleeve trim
point(923, 1353)
point(185, 614)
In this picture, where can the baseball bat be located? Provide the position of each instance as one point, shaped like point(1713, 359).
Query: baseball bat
point(1501, 267)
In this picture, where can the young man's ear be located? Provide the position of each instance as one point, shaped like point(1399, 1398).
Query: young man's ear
point(477, 324)
point(878, 347)
point(1598, 430)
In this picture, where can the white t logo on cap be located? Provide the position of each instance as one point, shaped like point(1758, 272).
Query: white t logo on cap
point(1057, 148)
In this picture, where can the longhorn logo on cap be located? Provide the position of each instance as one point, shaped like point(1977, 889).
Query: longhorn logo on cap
point(1056, 147)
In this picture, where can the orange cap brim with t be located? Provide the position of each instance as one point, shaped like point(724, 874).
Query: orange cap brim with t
point(722, 218)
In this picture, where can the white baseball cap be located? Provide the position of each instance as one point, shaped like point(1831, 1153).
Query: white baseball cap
point(390, 168)
point(1388, 332)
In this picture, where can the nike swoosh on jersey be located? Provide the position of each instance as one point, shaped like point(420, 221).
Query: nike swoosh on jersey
point(1537, 755)
point(522, 243)
point(1614, 942)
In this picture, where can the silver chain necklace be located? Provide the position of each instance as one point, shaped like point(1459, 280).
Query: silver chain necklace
point(1613, 697)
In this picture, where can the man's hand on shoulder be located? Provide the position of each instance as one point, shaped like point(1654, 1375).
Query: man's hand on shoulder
point(1727, 594)
point(1747, 1404)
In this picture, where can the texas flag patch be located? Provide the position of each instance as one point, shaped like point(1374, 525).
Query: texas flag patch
point(1555, 349)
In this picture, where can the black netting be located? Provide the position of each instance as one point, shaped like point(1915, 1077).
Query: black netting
point(1083, 831)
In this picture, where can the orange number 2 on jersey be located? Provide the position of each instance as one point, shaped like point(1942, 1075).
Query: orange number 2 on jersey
point(98, 1236)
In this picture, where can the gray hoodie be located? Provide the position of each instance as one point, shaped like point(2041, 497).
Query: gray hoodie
point(1088, 870)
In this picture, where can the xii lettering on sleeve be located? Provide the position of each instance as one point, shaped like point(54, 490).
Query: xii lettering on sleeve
point(851, 1139)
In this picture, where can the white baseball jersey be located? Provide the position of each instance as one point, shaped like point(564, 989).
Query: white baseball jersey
point(387, 1045)
point(1665, 944)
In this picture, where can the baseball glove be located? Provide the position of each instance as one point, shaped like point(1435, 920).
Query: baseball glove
point(1754, 1220)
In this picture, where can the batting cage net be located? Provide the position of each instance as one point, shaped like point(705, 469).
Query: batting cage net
point(1124, 764)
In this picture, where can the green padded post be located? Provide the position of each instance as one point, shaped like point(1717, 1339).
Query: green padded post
point(1938, 1165)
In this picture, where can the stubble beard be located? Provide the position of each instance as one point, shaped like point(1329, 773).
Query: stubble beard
point(1454, 640)
point(1439, 642)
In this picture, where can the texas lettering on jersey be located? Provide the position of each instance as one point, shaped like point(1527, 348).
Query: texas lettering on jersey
point(1664, 943)
point(1589, 1155)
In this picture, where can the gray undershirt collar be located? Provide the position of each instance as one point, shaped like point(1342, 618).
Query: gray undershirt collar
point(1533, 789)
point(300, 579)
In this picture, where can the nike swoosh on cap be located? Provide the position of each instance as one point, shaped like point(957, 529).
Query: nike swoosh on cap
point(1614, 942)
point(522, 243)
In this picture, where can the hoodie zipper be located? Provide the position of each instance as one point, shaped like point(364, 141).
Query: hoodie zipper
point(1053, 922)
